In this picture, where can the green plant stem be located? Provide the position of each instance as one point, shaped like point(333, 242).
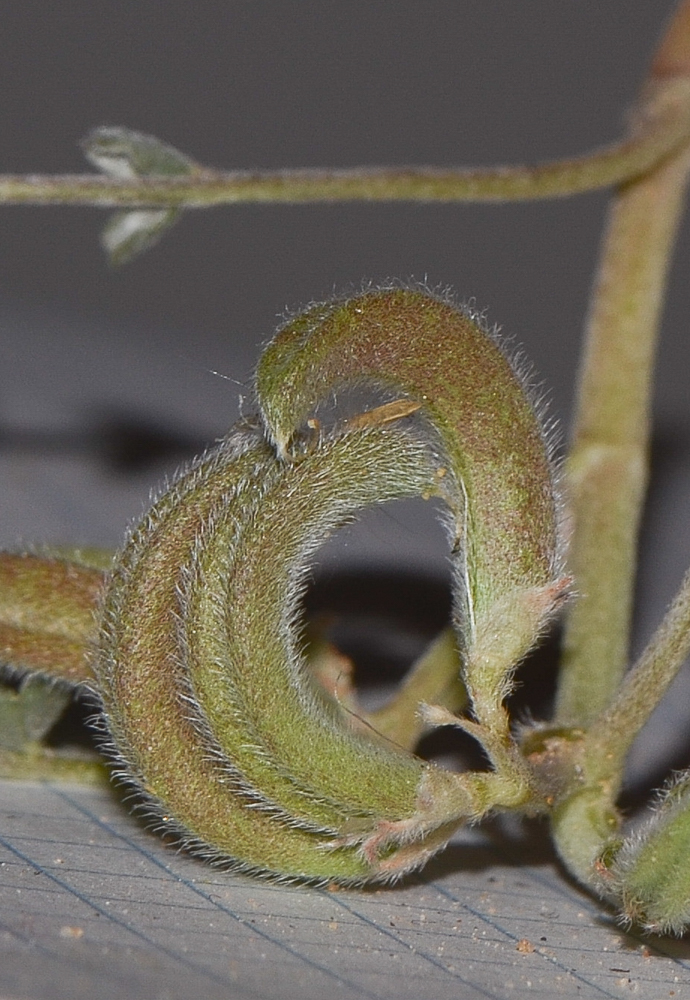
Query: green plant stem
point(586, 818)
point(607, 469)
point(654, 137)
point(609, 739)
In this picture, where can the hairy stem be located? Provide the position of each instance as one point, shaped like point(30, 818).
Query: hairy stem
point(587, 818)
point(607, 469)
point(610, 738)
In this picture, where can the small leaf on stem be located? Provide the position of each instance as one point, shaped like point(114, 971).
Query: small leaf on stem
point(127, 155)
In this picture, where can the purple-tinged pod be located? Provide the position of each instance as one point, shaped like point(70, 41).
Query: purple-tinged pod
point(500, 482)
point(208, 702)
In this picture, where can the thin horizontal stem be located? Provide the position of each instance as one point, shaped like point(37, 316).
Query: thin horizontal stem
point(653, 139)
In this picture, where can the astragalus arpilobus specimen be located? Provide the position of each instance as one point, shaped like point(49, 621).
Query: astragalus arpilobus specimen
point(242, 743)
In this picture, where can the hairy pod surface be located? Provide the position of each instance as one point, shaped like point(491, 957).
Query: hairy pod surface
point(648, 876)
point(501, 482)
point(243, 615)
point(211, 710)
point(241, 749)
point(47, 606)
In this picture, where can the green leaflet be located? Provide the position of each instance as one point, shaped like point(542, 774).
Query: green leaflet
point(28, 714)
point(125, 154)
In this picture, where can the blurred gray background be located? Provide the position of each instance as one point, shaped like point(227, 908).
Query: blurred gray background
point(107, 376)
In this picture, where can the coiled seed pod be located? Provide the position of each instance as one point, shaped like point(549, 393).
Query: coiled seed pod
point(209, 705)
